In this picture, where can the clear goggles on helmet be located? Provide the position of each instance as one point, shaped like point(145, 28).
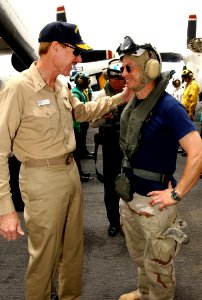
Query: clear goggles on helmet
point(115, 74)
point(129, 47)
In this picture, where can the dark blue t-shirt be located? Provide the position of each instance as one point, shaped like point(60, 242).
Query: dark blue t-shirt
point(160, 134)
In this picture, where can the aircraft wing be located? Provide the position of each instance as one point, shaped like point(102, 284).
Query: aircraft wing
point(191, 28)
point(193, 43)
point(61, 14)
point(96, 55)
point(16, 37)
point(171, 57)
point(90, 56)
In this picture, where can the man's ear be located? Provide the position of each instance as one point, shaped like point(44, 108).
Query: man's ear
point(55, 46)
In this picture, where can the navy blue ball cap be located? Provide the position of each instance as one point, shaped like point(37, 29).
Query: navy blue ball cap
point(63, 32)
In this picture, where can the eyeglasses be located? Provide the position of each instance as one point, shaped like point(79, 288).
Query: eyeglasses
point(76, 51)
point(129, 68)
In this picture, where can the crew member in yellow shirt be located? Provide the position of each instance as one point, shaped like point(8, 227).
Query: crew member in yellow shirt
point(191, 92)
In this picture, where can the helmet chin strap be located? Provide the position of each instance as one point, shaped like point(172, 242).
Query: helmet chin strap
point(144, 80)
point(140, 87)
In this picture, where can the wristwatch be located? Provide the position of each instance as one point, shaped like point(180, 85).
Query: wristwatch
point(175, 195)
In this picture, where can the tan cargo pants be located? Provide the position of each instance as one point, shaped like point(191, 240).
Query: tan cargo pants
point(54, 221)
point(152, 239)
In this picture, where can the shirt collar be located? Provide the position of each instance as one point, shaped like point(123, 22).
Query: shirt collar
point(39, 82)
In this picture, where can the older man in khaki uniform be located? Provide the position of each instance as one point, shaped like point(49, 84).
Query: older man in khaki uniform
point(36, 124)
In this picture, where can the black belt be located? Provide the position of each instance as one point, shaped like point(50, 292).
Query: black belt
point(152, 175)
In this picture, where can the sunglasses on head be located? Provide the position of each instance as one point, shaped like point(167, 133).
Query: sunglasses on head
point(129, 68)
point(76, 51)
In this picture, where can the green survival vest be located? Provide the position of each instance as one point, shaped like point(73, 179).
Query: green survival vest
point(132, 118)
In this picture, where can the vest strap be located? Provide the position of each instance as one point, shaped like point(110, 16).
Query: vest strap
point(152, 175)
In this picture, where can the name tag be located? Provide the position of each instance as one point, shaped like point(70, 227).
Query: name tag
point(43, 102)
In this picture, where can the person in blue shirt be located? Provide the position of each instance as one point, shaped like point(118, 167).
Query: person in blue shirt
point(153, 124)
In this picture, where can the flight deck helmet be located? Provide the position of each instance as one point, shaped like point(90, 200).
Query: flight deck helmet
point(176, 82)
point(146, 56)
point(82, 80)
point(114, 69)
point(187, 74)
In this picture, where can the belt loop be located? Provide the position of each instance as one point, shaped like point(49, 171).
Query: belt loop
point(162, 177)
point(48, 164)
point(165, 178)
point(69, 159)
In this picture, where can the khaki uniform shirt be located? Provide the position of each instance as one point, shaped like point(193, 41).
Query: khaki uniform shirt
point(36, 122)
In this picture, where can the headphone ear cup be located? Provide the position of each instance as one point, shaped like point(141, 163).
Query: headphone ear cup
point(190, 75)
point(152, 69)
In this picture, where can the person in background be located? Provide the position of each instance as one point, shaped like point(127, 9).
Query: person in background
point(190, 95)
point(83, 92)
point(201, 136)
point(177, 92)
point(198, 118)
point(109, 136)
point(153, 123)
point(36, 125)
point(14, 168)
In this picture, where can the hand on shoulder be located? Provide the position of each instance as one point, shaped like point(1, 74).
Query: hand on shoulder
point(127, 94)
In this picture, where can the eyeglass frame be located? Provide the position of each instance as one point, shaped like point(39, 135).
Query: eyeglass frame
point(76, 51)
point(129, 68)
point(116, 74)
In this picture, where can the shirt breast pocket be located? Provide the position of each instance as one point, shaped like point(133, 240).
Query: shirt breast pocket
point(44, 111)
point(44, 120)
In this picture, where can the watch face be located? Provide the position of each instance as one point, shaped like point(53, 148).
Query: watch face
point(175, 196)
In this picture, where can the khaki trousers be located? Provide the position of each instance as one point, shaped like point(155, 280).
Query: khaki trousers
point(54, 222)
point(150, 246)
